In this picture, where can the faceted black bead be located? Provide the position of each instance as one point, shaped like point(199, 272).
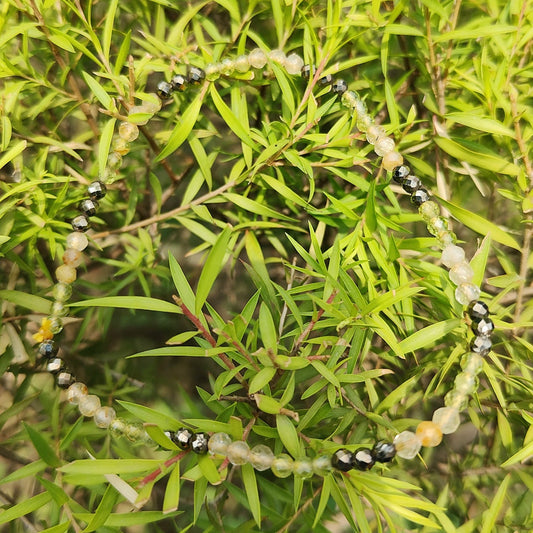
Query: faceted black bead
point(55, 365)
point(481, 345)
point(478, 310)
point(182, 438)
point(80, 223)
point(164, 90)
point(195, 75)
point(339, 87)
point(399, 174)
point(325, 80)
point(179, 82)
point(88, 207)
point(96, 190)
point(199, 442)
point(48, 349)
point(363, 459)
point(383, 452)
point(307, 71)
point(411, 184)
point(420, 196)
point(64, 379)
point(343, 460)
point(485, 327)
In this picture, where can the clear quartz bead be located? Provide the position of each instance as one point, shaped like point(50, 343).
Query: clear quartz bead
point(447, 418)
point(118, 427)
point(373, 133)
point(261, 457)
point(294, 64)
point(76, 392)
point(407, 445)
point(361, 111)
point(466, 293)
point(89, 404)
point(212, 71)
point(242, 64)
point(77, 240)
point(349, 99)
point(391, 160)
point(461, 273)
point(282, 465)
point(134, 432)
point(238, 452)
point(128, 131)
point(472, 363)
point(429, 434)
point(153, 104)
point(104, 416)
point(456, 399)
point(429, 210)
point(62, 291)
point(384, 145)
point(66, 274)
point(218, 443)
point(278, 56)
point(59, 309)
point(72, 257)
point(257, 58)
point(227, 67)
point(445, 238)
point(302, 467)
point(465, 383)
point(452, 255)
point(55, 324)
point(322, 465)
point(364, 122)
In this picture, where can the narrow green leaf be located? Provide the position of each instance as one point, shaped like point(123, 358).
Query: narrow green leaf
point(485, 124)
point(181, 351)
point(172, 492)
point(13, 152)
point(181, 283)
point(60, 528)
point(267, 329)
point(28, 301)
point(43, 448)
point(261, 379)
point(25, 507)
point(325, 372)
point(146, 414)
point(324, 499)
point(97, 90)
point(28, 470)
point(282, 189)
point(128, 519)
point(105, 144)
point(425, 337)
point(141, 303)
point(521, 456)
point(255, 207)
point(250, 486)
point(108, 26)
point(106, 505)
point(288, 435)
point(491, 514)
point(111, 466)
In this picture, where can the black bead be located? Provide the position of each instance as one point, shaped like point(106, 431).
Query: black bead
point(307, 71)
point(383, 452)
point(88, 207)
point(182, 438)
point(363, 459)
point(48, 349)
point(199, 442)
point(485, 327)
point(420, 196)
point(179, 82)
point(478, 310)
point(325, 80)
point(339, 87)
point(481, 345)
point(195, 75)
point(342, 460)
point(399, 174)
point(164, 90)
point(96, 190)
point(80, 223)
point(55, 365)
point(411, 184)
point(64, 379)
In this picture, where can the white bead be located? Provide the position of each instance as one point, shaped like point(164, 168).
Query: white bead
point(384, 145)
point(227, 67)
point(212, 71)
point(77, 240)
point(218, 443)
point(89, 404)
point(466, 293)
point(447, 418)
point(407, 444)
point(278, 56)
point(238, 452)
point(104, 416)
point(302, 467)
point(373, 133)
point(257, 58)
point(452, 255)
point(465, 383)
point(461, 273)
point(242, 64)
point(322, 465)
point(76, 391)
point(261, 457)
point(294, 64)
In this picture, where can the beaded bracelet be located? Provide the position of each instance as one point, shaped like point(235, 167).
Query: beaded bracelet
point(407, 444)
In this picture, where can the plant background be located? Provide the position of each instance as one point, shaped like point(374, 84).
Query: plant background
point(278, 216)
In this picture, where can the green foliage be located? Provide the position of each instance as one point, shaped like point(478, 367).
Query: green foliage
point(252, 230)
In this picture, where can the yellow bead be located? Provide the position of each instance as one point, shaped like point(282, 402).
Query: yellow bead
point(391, 160)
point(121, 146)
point(429, 433)
point(66, 274)
point(128, 132)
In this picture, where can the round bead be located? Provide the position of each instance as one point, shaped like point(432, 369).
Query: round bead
point(364, 121)
point(65, 379)
point(429, 434)
point(481, 345)
point(114, 161)
point(277, 56)
point(261, 457)
point(179, 82)
point(257, 58)
point(307, 71)
point(48, 349)
point(97, 190)
point(104, 416)
point(282, 465)
point(472, 363)
point(478, 310)
point(164, 90)
point(293, 64)
point(199, 443)
point(429, 210)
point(456, 399)
point(484, 327)
point(66, 274)
point(76, 391)
point(182, 438)
point(227, 67)
point(77, 240)
point(362, 114)
point(55, 324)
point(465, 383)
point(374, 133)
point(339, 87)
point(363, 459)
point(348, 99)
point(466, 293)
point(399, 174)
point(420, 196)
point(384, 145)
point(447, 418)
point(58, 310)
point(134, 432)
point(120, 146)
point(302, 467)
point(88, 207)
point(461, 273)
point(391, 160)
point(342, 460)
point(212, 71)
point(452, 255)
point(80, 223)
point(153, 105)
point(238, 452)
point(55, 365)
point(62, 291)
point(383, 452)
point(118, 427)
point(139, 110)
point(437, 225)
point(241, 64)
point(407, 445)
point(325, 80)
point(195, 75)
point(89, 404)
point(411, 184)
point(322, 465)
point(128, 131)
point(445, 238)
point(72, 257)
point(218, 443)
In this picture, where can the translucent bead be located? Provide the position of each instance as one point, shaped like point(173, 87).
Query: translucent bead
point(212, 71)
point(153, 105)
point(465, 383)
point(55, 324)
point(437, 224)
point(72, 257)
point(277, 56)
point(282, 465)
point(59, 309)
point(218, 443)
point(140, 110)
point(120, 146)
point(447, 418)
point(62, 291)
point(362, 112)
point(241, 64)
point(134, 432)
point(445, 238)
point(472, 363)
point(322, 465)
point(429, 434)
point(76, 391)
point(429, 210)
point(55, 365)
point(227, 67)
point(348, 99)
point(461, 273)
point(456, 399)
point(364, 122)
point(257, 58)
point(114, 160)
point(384, 145)
point(77, 240)
point(238, 452)
point(293, 64)
point(392, 159)
point(89, 404)
point(66, 274)
point(373, 133)
point(128, 131)
point(302, 467)
point(261, 457)
point(466, 293)
point(117, 427)
point(104, 416)
point(407, 445)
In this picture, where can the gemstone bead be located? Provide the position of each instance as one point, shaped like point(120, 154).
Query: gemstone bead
point(307, 71)
point(322, 465)
point(485, 326)
point(383, 452)
point(261, 457)
point(114, 161)
point(58, 310)
point(128, 131)
point(65, 379)
point(164, 90)
point(348, 99)
point(55, 365)
point(152, 105)
point(411, 184)
point(465, 383)
point(62, 291)
point(363, 459)
point(437, 225)
point(429, 434)
point(282, 465)
point(391, 160)
point(179, 82)
point(182, 438)
point(339, 87)
point(278, 56)
point(242, 64)
point(342, 460)
point(374, 133)
point(407, 445)
point(72, 257)
point(461, 273)
point(325, 80)
point(466, 293)
point(195, 75)
point(212, 71)
point(227, 67)
point(293, 64)
point(447, 419)
point(238, 452)
point(55, 324)
point(118, 427)
point(445, 237)
point(199, 443)
point(364, 121)
point(66, 274)
point(302, 467)
point(80, 223)
point(362, 112)
point(384, 145)
point(472, 363)
point(456, 399)
point(48, 349)
point(76, 391)
point(478, 310)
point(452, 255)
point(88, 207)
point(420, 196)
point(97, 190)
point(134, 432)
point(400, 173)
point(429, 210)
point(89, 404)
point(142, 111)
point(257, 58)
point(218, 443)
point(104, 416)
point(77, 240)
point(481, 345)
point(120, 146)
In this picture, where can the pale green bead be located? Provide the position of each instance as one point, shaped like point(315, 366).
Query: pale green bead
point(282, 465)
point(227, 67)
point(465, 383)
point(56, 325)
point(134, 432)
point(59, 309)
point(407, 444)
point(218, 443)
point(238, 452)
point(212, 71)
point(104, 416)
point(257, 58)
point(364, 122)
point(445, 238)
point(429, 210)
point(88, 404)
point(293, 64)
point(114, 161)
point(349, 99)
point(302, 467)
point(452, 255)
point(447, 418)
point(322, 465)
point(437, 224)
point(62, 291)
point(242, 64)
point(466, 293)
point(118, 427)
point(261, 457)
point(456, 399)
point(472, 363)
point(362, 113)
point(461, 273)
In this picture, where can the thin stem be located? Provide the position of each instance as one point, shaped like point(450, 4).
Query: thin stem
point(300, 511)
